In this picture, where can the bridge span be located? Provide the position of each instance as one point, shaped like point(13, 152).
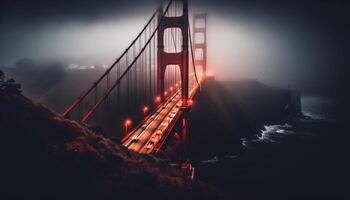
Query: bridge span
point(161, 68)
point(151, 134)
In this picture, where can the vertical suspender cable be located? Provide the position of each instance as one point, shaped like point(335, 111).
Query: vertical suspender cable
point(150, 65)
point(96, 105)
point(127, 82)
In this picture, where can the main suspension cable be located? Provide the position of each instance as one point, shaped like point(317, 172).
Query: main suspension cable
point(90, 112)
point(87, 92)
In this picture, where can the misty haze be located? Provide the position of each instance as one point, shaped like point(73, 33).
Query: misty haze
point(190, 99)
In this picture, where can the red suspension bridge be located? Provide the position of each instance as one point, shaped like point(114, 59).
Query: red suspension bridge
point(158, 75)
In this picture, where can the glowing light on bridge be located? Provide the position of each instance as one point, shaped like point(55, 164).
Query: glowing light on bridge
point(157, 99)
point(145, 110)
point(165, 93)
point(127, 124)
point(190, 102)
point(171, 88)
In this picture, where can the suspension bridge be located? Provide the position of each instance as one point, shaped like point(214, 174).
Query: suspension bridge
point(144, 93)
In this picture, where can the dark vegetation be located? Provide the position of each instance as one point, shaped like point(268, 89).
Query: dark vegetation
point(44, 156)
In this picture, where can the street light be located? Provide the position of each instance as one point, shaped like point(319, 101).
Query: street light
point(190, 102)
point(171, 89)
point(165, 93)
point(127, 123)
point(145, 110)
point(157, 99)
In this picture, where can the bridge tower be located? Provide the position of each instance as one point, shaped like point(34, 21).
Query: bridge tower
point(200, 40)
point(179, 58)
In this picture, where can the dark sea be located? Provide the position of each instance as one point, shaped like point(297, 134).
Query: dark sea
point(306, 159)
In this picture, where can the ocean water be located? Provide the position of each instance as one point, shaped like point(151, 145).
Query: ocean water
point(317, 110)
point(303, 160)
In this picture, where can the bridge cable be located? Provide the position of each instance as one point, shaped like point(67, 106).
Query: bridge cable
point(94, 85)
point(150, 65)
point(91, 111)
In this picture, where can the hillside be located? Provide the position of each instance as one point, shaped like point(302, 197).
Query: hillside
point(44, 156)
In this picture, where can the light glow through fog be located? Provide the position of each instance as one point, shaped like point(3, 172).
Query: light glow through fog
point(86, 43)
point(239, 47)
point(239, 50)
point(102, 41)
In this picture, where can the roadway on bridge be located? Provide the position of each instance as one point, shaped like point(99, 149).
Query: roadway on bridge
point(143, 140)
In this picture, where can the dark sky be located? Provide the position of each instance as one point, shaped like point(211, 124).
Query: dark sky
point(316, 32)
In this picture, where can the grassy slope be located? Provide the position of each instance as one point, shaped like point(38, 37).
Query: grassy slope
point(44, 155)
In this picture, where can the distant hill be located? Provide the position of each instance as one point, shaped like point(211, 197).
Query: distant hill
point(36, 77)
point(44, 156)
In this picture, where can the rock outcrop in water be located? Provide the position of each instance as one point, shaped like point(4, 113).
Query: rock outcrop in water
point(234, 110)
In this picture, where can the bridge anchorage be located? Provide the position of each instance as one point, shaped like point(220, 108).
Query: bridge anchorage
point(151, 84)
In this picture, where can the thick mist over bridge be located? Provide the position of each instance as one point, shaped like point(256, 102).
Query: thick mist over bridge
point(244, 43)
point(136, 99)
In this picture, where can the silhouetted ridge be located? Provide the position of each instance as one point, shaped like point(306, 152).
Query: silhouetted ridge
point(46, 156)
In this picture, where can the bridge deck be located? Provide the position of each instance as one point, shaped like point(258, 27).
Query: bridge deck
point(143, 139)
point(153, 130)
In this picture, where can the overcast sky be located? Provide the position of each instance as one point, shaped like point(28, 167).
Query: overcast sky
point(298, 43)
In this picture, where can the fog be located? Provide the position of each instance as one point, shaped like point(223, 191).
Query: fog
point(277, 44)
point(86, 43)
